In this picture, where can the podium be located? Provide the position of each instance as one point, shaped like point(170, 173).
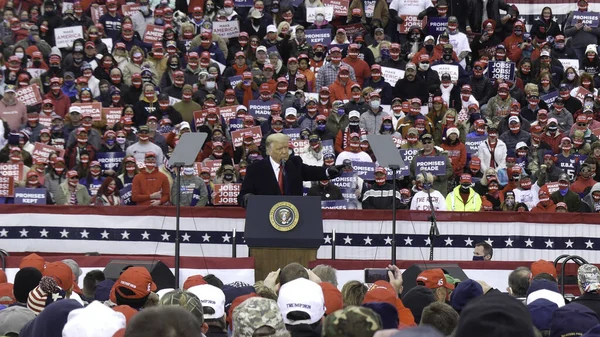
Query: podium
point(282, 229)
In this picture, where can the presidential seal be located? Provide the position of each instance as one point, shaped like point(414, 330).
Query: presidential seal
point(284, 216)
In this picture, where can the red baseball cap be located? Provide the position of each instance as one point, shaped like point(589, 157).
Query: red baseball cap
point(194, 280)
point(61, 273)
point(434, 278)
point(137, 280)
point(34, 261)
point(543, 266)
point(6, 294)
point(333, 298)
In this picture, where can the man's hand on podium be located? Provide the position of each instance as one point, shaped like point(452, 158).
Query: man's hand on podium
point(245, 200)
point(335, 171)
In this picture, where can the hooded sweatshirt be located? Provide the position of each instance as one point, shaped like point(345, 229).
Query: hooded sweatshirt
point(588, 205)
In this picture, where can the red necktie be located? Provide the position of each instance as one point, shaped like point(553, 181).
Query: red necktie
point(280, 179)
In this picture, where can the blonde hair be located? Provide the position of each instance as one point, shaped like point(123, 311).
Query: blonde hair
point(353, 293)
point(275, 138)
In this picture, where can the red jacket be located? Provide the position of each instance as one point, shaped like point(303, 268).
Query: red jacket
point(512, 44)
point(361, 69)
point(337, 91)
point(539, 208)
point(62, 103)
point(71, 155)
point(146, 183)
point(458, 156)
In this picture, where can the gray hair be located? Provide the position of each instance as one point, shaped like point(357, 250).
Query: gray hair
point(326, 274)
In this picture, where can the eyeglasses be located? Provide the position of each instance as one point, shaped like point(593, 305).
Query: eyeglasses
point(478, 68)
point(581, 124)
point(427, 141)
point(74, 178)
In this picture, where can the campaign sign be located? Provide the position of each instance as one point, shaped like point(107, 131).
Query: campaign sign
point(407, 157)
point(353, 30)
point(258, 108)
point(199, 116)
point(213, 166)
point(234, 80)
point(437, 26)
point(29, 95)
point(173, 100)
point(472, 143)
point(409, 21)
point(314, 36)
point(292, 133)
point(300, 146)
point(7, 186)
point(550, 97)
point(311, 13)
point(237, 137)
point(12, 170)
point(129, 10)
point(113, 115)
point(243, 3)
point(334, 204)
point(365, 170)
point(126, 195)
point(567, 63)
point(65, 36)
point(580, 93)
point(340, 7)
point(110, 160)
point(94, 109)
point(30, 196)
point(501, 70)
point(450, 69)
point(236, 124)
point(347, 180)
point(41, 152)
point(589, 19)
point(226, 29)
point(392, 75)
point(327, 146)
point(227, 112)
point(97, 12)
point(435, 165)
point(154, 33)
point(35, 72)
point(226, 194)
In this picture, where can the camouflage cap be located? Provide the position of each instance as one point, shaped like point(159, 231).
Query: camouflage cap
point(186, 300)
point(588, 276)
point(257, 312)
point(352, 321)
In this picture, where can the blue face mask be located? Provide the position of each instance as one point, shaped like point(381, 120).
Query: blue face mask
point(110, 142)
point(563, 191)
point(159, 22)
point(478, 258)
point(69, 83)
point(387, 127)
point(341, 111)
point(321, 127)
point(247, 83)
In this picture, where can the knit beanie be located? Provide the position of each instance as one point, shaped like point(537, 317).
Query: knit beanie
point(417, 299)
point(26, 280)
point(495, 315)
point(387, 312)
point(45, 293)
point(465, 292)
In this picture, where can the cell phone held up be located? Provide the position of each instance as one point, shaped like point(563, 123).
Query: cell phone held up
point(376, 274)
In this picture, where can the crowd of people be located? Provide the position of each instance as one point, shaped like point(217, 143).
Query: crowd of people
point(45, 300)
point(522, 140)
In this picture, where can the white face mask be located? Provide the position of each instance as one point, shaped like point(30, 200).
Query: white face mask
point(228, 10)
point(319, 19)
point(121, 140)
point(210, 85)
point(423, 66)
point(375, 104)
point(19, 55)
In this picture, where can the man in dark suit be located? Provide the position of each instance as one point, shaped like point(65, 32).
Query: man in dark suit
point(280, 174)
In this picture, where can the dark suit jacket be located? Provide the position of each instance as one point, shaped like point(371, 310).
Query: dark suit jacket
point(260, 178)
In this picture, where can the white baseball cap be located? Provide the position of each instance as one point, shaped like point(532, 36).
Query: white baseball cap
point(304, 296)
point(291, 111)
point(353, 113)
point(271, 29)
point(453, 130)
point(212, 297)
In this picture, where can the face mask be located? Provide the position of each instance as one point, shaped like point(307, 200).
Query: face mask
point(503, 95)
point(380, 181)
point(526, 185)
point(429, 47)
point(321, 127)
point(130, 169)
point(353, 123)
point(465, 187)
point(110, 142)
point(121, 140)
point(228, 176)
point(143, 137)
point(210, 85)
point(424, 66)
point(95, 171)
point(73, 183)
point(150, 165)
point(82, 140)
point(374, 104)
point(174, 66)
point(478, 258)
